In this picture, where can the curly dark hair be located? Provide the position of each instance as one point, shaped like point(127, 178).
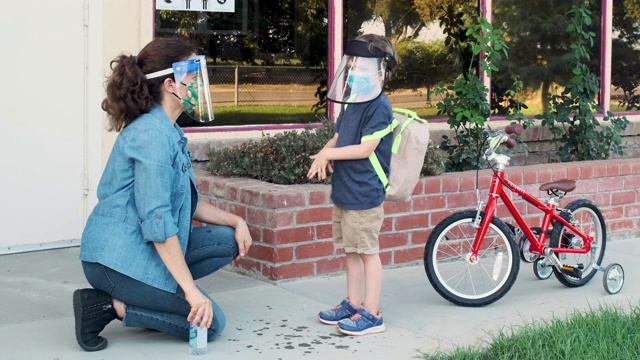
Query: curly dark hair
point(129, 92)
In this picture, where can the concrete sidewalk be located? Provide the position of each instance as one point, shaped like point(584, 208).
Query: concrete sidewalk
point(267, 321)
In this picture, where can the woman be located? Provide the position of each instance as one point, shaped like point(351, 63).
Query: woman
point(139, 251)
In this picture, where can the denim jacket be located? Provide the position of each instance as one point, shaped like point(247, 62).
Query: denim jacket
point(147, 193)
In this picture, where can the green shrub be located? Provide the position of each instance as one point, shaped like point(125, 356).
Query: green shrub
point(284, 158)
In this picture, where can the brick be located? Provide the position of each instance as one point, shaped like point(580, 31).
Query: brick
point(289, 236)
point(515, 177)
point(387, 224)
point(450, 184)
point(250, 197)
point(621, 225)
point(599, 170)
point(626, 168)
point(408, 255)
point(632, 211)
point(437, 216)
point(317, 197)
point(559, 174)
point(429, 202)
point(611, 184)
point(271, 254)
point(393, 240)
point(386, 257)
point(601, 199)
point(432, 185)
point(250, 265)
point(419, 237)
point(291, 271)
point(631, 182)
point(613, 170)
point(282, 199)
point(324, 231)
point(461, 200)
point(625, 197)
point(314, 250)
point(484, 181)
point(270, 218)
point(255, 232)
point(573, 173)
point(419, 188)
point(392, 207)
point(612, 213)
point(530, 176)
point(203, 186)
point(586, 172)
point(330, 265)
point(314, 215)
point(411, 221)
point(467, 183)
point(545, 175)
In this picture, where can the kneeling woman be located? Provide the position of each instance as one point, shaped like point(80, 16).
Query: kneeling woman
point(139, 251)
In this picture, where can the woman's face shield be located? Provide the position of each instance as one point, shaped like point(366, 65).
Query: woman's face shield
point(192, 87)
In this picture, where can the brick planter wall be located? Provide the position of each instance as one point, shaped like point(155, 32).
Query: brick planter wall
point(291, 224)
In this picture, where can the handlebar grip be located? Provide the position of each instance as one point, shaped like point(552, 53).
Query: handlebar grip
point(510, 143)
point(515, 129)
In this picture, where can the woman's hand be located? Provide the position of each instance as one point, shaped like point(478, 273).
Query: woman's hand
point(243, 238)
point(201, 308)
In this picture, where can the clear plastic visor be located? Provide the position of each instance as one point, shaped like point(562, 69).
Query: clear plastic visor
point(193, 87)
point(357, 80)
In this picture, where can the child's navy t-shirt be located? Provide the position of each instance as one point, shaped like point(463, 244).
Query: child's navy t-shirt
point(355, 184)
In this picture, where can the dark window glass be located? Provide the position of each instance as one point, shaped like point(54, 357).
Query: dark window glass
point(625, 58)
point(266, 60)
point(539, 50)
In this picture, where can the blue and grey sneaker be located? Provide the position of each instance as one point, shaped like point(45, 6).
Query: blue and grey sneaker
point(343, 311)
point(362, 323)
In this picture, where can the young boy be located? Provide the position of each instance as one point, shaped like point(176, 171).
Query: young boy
point(362, 128)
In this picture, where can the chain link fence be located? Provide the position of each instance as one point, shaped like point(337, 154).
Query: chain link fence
point(264, 85)
point(280, 85)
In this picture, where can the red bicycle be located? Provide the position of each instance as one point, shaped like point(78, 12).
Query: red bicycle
point(472, 257)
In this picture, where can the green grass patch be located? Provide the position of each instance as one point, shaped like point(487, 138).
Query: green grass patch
point(260, 115)
point(605, 332)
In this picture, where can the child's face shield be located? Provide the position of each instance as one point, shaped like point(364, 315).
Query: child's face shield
point(360, 76)
point(192, 87)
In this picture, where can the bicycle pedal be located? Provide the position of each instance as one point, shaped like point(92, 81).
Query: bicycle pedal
point(572, 271)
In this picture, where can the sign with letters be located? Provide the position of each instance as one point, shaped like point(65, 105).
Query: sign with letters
point(197, 5)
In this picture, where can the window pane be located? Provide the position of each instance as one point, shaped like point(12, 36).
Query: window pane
point(419, 38)
point(625, 65)
point(266, 60)
point(539, 51)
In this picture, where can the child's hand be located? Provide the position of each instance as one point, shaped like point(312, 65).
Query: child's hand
point(319, 166)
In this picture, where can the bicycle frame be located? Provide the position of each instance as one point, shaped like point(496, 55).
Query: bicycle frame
point(549, 210)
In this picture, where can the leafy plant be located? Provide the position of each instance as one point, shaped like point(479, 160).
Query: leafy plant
point(465, 102)
point(570, 117)
point(284, 158)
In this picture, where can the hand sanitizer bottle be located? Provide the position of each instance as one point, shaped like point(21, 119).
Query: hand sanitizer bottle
point(197, 340)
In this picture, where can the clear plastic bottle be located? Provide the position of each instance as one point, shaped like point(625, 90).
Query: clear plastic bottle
point(197, 340)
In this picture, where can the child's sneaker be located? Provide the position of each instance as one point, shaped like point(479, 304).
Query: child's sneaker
point(343, 311)
point(362, 323)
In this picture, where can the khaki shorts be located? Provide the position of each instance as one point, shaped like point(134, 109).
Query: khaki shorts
point(357, 230)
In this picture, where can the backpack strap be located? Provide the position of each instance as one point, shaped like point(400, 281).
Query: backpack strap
point(411, 116)
point(373, 158)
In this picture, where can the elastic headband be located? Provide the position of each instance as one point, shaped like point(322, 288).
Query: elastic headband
point(362, 49)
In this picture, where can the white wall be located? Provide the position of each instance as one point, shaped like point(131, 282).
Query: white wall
point(48, 96)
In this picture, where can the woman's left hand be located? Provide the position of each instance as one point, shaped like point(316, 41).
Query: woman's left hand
point(243, 238)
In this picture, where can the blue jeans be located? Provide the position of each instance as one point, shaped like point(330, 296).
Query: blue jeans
point(210, 248)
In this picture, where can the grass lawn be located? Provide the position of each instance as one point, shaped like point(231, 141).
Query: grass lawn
point(605, 332)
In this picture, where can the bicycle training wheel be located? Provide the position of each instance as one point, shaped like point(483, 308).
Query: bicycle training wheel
point(588, 219)
point(541, 269)
point(455, 277)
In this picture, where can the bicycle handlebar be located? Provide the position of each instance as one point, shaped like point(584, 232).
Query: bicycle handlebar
point(502, 137)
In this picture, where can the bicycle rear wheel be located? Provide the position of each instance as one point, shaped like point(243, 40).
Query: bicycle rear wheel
point(585, 216)
point(454, 277)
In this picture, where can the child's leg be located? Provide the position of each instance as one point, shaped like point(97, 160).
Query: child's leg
point(355, 279)
point(372, 282)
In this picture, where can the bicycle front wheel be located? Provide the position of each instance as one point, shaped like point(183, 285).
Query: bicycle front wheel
point(585, 216)
point(455, 277)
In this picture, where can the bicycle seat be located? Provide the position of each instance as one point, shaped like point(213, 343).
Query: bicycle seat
point(563, 185)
